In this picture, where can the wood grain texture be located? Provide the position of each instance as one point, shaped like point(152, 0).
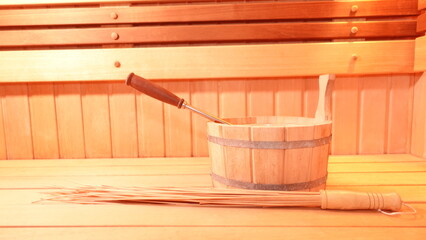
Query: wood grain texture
point(204, 96)
point(373, 114)
point(150, 121)
point(3, 148)
point(212, 62)
point(421, 4)
point(17, 122)
point(198, 12)
point(420, 54)
point(69, 119)
point(238, 161)
point(301, 158)
point(400, 112)
point(346, 116)
point(289, 97)
point(421, 23)
point(177, 122)
point(418, 140)
point(43, 120)
point(268, 164)
point(232, 98)
point(260, 97)
point(208, 33)
point(96, 120)
point(231, 233)
point(122, 106)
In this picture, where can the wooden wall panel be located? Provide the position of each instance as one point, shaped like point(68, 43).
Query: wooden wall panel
point(17, 122)
point(260, 97)
point(400, 113)
point(122, 105)
point(177, 122)
point(345, 116)
point(418, 138)
point(96, 119)
point(69, 120)
point(204, 95)
point(3, 149)
point(150, 117)
point(232, 98)
point(43, 120)
point(289, 97)
point(373, 114)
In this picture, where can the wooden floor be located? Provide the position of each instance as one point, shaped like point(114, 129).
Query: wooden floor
point(23, 181)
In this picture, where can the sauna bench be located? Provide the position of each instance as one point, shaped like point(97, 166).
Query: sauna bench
point(23, 181)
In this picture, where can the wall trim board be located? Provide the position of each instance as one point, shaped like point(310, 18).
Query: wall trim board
point(209, 62)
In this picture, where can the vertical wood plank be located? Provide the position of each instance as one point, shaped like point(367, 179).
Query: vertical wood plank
point(17, 122)
point(345, 116)
point(3, 150)
point(232, 98)
point(268, 164)
point(70, 120)
point(310, 97)
point(419, 117)
point(373, 114)
point(238, 161)
point(289, 97)
point(319, 162)
point(96, 119)
point(260, 97)
point(298, 161)
point(177, 122)
point(122, 103)
point(400, 111)
point(150, 115)
point(43, 120)
point(203, 96)
point(216, 153)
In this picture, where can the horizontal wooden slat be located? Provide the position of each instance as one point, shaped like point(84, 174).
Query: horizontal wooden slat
point(420, 55)
point(205, 12)
point(422, 4)
point(148, 170)
point(209, 33)
point(212, 232)
point(57, 215)
point(421, 23)
point(170, 161)
point(239, 61)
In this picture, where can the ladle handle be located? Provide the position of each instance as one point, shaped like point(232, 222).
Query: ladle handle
point(153, 90)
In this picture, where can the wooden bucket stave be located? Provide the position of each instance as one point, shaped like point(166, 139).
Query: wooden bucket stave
point(270, 153)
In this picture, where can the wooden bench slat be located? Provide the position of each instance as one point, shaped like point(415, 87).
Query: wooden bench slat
point(207, 12)
point(211, 232)
point(56, 215)
point(207, 62)
point(209, 33)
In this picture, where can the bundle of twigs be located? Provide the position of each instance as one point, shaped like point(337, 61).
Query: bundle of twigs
point(342, 200)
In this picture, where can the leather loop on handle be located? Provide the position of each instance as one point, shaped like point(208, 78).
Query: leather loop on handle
point(153, 90)
point(346, 200)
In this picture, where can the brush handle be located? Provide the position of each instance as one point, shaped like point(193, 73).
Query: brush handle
point(346, 200)
point(153, 90)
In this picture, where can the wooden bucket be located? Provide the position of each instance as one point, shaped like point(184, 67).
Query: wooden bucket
point(273, 153)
